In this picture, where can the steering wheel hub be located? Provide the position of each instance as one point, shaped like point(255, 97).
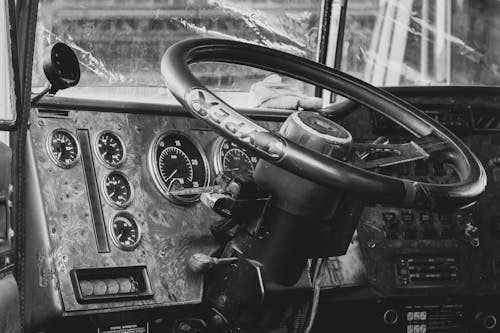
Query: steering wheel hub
point(318, 133)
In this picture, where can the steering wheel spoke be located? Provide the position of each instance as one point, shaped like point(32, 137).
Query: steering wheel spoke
point(433, 144)
point(383, 155)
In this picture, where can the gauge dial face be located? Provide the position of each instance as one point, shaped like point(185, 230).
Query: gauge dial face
point(177, 162)
point(110, 149)
point(124, 231)
point(63, 148)
point(117, 190)
point(232, 160)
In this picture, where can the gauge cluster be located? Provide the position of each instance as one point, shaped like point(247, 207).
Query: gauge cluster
point(175, 160)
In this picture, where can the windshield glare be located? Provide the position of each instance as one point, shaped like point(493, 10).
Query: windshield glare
point(386, 42)
point(423, 42)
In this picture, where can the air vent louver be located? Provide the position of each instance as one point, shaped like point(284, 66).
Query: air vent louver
point(46, 113)
point(486, 120)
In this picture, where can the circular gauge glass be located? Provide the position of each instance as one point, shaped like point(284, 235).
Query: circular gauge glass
point(110, 149)
point(117, 190)
point(124, 231)
point(233, 160)
point(63, 148)
point(177, 162)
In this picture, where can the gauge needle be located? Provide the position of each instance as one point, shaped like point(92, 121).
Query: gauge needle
point(172, 174)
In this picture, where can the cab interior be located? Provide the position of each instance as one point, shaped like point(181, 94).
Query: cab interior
point(249, 166)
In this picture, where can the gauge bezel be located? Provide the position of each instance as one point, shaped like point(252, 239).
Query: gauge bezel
point(115, 241)
point(55, 160)
point(158, 180)
point(218, 158)
point(102, 160)
point(108, 200)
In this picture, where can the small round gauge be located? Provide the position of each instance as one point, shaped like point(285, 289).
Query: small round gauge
point(231, 159)
point(124, 231)
point(110, 149)
point(117, 190)
point(63, 148)
point(177, 162)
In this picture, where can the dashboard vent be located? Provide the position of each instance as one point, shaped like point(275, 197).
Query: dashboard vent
point(46, 113)
point(486, 120)
point(427, 271)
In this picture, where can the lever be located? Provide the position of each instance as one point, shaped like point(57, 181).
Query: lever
point(381, 140)
point(197, 190)
point(200, 263)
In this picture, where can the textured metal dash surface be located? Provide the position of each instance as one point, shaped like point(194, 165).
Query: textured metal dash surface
point(170, 233)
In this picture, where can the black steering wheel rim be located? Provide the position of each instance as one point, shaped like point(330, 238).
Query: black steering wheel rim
point(302, 161)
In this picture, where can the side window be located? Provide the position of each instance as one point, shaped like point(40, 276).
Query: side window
point(7, 95)
point(7, 113)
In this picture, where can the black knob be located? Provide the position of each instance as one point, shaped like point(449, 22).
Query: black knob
point(487, 321)
point(390, 317)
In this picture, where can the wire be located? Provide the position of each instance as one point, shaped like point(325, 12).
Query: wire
point(320, 265)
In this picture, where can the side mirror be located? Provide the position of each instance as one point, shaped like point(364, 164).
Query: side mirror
point(61, 67)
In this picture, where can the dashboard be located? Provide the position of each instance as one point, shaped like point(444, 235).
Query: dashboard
point(105, 181)
point(114, 235)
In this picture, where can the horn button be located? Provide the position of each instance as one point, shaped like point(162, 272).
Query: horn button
point(318, 133)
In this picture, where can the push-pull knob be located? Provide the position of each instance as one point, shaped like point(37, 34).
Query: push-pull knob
point(200, 263)
point(487, 321)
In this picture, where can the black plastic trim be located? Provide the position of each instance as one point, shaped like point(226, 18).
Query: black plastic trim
point(93, 191)
point(94, 105)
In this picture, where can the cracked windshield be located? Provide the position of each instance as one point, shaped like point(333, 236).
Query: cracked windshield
point(386, 42)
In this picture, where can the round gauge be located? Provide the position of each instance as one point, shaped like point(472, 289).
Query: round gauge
point(177, 162)
point(63, 148)
point(110, 149)
point(231, 159)
point(124, 231)
point(117, 190)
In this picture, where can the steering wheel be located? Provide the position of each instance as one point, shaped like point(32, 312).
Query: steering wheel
point(356, 177)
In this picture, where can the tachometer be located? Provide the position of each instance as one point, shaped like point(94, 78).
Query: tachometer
point(231, 159)
point(178, 162)
point(63, 148)
point(110, 149)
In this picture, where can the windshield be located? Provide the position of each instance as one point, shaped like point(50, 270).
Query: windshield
point(386, 42)
point(120, 43)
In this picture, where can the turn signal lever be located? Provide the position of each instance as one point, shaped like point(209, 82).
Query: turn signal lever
point(200, 263)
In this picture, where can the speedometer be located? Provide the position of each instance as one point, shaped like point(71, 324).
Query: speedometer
point(177, 162)
point(232, 160)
